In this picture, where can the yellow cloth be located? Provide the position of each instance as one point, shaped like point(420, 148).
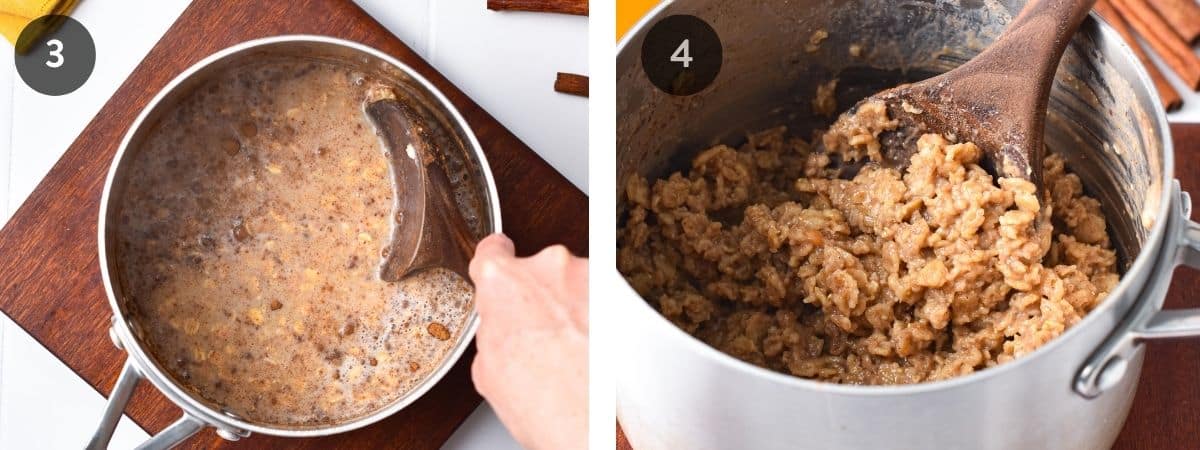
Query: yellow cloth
point(629, 12)
point(16, 14)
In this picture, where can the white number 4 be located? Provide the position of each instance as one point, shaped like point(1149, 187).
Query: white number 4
point(56, 53)
point(681, 54)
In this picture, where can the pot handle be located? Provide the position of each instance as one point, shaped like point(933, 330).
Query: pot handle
point(182, 429)
point(171, 436)
point(1181, 247)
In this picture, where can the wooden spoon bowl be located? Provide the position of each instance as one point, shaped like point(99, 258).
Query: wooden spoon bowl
point(430, 231)
point(996, 100)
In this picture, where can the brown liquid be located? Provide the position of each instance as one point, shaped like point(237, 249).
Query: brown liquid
point(250, 242)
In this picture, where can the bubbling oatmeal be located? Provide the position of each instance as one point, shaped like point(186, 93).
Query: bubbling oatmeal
point(250, 239)
point(891, 277)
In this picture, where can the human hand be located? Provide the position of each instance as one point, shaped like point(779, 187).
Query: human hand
point(532, 365)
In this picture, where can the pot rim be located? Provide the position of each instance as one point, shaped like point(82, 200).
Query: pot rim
point(146, 365)
point(1145, 260)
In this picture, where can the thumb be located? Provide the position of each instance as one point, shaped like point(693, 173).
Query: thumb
point(492, 252)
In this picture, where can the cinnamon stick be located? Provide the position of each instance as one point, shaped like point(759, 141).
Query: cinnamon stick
point(1169, 46)
point(569, 83)
point(1182, 15)
point(575, 7)
point(1166, 93)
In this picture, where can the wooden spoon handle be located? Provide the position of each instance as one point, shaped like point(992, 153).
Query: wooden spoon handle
point(1005, 89)
point(1024, 48)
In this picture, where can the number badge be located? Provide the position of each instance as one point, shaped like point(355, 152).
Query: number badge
point(57, 55)
point(681, 55)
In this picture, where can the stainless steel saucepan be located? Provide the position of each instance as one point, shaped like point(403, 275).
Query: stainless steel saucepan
point(125, 334)
point(673, 391)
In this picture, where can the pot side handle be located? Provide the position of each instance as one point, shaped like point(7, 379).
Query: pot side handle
point(1181, 247)
point(169, 437)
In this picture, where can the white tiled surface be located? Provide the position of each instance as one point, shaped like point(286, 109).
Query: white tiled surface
point(507, 63)
point(504, 61)
point(43, 404)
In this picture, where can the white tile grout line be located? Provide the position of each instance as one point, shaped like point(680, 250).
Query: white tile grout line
point(3, 333)
point(4, 202)
point(4, 192)
point(8, 179)
point(431, 36)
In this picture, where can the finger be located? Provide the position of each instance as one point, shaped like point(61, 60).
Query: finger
point(483, 335)
point(498, 243)
point(577, 274)
point(577, 289)
point(479, 375)
point(492, 252)
point(556, 252)
point(552, 259)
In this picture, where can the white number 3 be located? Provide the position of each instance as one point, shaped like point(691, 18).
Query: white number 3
point(681, 54)
point(56, 53)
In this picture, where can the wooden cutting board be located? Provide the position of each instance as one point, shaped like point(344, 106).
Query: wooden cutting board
point(1165, 412)
point(50, 278)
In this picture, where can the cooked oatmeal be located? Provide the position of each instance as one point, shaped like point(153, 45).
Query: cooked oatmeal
point(891, 277)
point(250, 240)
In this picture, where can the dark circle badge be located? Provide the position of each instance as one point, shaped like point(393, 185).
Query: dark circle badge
point(55, 55)
point(681, 55)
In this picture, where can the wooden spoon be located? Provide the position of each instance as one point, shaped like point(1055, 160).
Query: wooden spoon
point(430, 230)
point(996, 100)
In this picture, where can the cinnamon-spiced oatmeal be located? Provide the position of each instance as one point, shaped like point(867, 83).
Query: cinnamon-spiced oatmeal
point(891, 277)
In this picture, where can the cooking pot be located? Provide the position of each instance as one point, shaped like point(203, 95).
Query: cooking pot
point(674, 391)
point(125, 331)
